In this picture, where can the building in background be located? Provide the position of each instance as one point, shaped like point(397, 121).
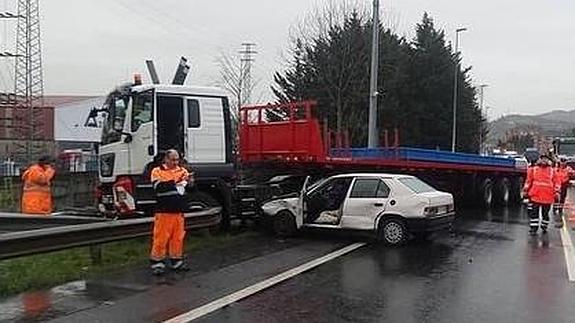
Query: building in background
point(62, 130)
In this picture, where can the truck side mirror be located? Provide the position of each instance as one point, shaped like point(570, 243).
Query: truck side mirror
point(128, 138)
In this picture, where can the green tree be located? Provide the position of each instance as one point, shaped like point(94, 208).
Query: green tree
point(416, 83)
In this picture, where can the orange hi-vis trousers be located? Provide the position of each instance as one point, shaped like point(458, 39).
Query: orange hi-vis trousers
point(168, 236)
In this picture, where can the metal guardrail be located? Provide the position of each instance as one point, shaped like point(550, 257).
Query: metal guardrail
point(10, 222)
point(17, 244)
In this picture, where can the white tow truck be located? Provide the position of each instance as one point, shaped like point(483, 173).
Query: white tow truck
point(389, 205)
point(143, 120)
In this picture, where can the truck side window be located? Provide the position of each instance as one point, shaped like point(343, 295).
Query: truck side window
point(142, 110)
point(193, 114)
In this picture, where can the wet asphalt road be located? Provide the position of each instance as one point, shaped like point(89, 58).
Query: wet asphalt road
point(488, 270)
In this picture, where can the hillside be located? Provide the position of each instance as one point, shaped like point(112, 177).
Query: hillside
point(554, 123)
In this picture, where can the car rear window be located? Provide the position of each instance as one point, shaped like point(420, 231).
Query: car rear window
point(417, 185)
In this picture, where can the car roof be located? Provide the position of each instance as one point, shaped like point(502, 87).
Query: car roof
point(380, 175)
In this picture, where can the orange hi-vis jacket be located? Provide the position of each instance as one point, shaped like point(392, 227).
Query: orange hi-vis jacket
point(164, 181)
point(37, 195)
point(541, 184)
point(169, 230)
point(563, 175)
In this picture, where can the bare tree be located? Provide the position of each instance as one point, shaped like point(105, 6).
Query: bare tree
point(234, 76)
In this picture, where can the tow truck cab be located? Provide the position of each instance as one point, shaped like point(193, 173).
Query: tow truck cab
point(141, 122)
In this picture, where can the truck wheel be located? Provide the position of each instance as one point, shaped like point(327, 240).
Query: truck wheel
point(487, 193)
point(200, 200)
point(284, 224)
point(393, 232)
point(503, 192)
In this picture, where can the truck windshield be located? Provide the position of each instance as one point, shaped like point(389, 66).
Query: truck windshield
point(417, 185)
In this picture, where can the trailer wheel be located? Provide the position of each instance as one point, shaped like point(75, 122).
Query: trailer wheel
point(393, 232)
point(503, 192)
point(284, 224)
point(487, 193)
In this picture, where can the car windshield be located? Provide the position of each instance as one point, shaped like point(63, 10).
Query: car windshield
point(417, 185)
point(316, 184)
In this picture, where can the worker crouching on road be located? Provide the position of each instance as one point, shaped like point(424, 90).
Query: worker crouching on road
point(542, 189)
point(563, 175)
point(169, 181)
point(37, 194)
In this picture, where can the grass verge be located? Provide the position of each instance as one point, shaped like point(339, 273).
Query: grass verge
point(51, 269)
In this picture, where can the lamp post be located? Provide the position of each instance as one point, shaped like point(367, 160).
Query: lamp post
point(481, 108)
point(373, 135)
point(455, 85)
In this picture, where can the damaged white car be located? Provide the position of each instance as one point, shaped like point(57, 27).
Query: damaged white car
point(392, 206)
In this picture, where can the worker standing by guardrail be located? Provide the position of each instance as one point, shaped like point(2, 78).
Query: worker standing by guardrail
point(169, 181)
point(37, 191)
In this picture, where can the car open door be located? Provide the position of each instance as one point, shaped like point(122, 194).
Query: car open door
point(301, 207)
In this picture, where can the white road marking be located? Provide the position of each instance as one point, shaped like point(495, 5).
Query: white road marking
point(258, 287)
point(569, 251)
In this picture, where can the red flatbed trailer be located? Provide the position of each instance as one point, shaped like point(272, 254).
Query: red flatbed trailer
point(288, 139)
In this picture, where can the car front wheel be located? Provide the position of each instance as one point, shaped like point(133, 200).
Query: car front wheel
point(284, 224)
point(393, 232)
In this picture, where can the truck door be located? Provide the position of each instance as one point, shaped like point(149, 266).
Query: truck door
point(205, 130)
point(367, 199)
point(141, 128)
point(170, 123)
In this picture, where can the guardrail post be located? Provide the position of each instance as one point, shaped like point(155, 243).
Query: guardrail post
point(96, 254)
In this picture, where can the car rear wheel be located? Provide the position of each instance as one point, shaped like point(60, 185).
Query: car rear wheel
point(393, 232)
point(284, 224)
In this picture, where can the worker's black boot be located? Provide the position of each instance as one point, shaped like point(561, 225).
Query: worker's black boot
point(179, 264)
point(158, 267)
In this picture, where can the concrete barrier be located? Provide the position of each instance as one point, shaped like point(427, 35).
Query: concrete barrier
point(68, 190)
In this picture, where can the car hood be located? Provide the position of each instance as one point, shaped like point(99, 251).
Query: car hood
point(438, 198)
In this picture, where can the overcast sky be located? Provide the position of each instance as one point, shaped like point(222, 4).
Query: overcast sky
point(523, 49)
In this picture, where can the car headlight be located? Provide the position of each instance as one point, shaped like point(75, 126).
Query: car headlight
point(431, 211)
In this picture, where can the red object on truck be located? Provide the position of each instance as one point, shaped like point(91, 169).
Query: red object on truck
point(285, 132)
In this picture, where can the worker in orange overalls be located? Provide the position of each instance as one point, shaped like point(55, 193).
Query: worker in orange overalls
point(541, 188)
point(169, 182)
point(37, 195)
point(563, 174)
